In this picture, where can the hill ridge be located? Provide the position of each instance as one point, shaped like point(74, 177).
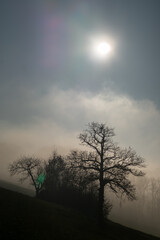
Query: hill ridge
point(25, 217)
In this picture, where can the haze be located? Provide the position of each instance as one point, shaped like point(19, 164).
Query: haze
point(50, 87)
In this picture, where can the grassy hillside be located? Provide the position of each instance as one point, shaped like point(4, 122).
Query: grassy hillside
point(16, 188)
point(23, 217)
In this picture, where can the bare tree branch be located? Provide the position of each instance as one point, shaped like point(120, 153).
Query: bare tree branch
point(27, 168)
point(111, 164)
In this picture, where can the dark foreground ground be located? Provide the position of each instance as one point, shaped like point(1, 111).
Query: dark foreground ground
point(24, 217)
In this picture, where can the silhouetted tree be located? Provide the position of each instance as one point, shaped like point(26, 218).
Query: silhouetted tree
point(28, 168)
point(108, 164)
point(54, 172)
point(65, 184)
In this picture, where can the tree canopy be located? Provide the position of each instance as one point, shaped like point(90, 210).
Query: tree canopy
point(28, 168)
point(108, 164)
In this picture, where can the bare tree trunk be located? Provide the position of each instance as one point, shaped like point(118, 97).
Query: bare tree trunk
point(101, 200)
point(100, 207)
point(101, 189)
point(37, 192)
point(34, 183)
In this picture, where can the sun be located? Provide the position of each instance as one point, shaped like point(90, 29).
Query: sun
point(100, 49)
point(103, 48)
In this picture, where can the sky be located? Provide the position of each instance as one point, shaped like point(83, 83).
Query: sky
point(51, 86)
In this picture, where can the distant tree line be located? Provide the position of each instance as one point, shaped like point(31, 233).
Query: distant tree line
point(78, 180)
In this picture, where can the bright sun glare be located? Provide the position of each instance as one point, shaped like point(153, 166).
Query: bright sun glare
point(103, 48)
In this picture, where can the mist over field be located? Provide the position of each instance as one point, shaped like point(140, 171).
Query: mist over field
point(144, 213)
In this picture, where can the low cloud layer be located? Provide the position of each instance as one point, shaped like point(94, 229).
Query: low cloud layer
point(59, 116)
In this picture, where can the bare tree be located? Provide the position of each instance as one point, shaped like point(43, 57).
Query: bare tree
point(28, 168)
point(107, 163)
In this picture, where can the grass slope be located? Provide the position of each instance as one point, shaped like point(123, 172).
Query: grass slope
point(16, 188)
point(23, 217)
